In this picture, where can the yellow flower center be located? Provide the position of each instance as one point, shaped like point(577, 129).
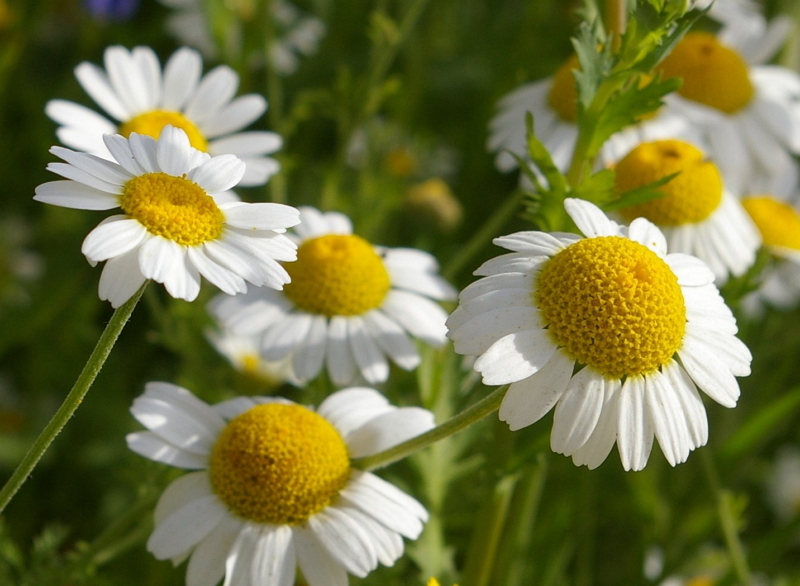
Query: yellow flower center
point(712, 73)
point(337, 275)
point(278, 464)
point(173, 207)
point(151, 124)
point(778, 222)
point(563, 97)
point(689, 198)
point(613, 304)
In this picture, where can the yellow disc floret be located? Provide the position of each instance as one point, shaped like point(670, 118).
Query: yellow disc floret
point(690, 197)
point(337, 274)
point(173, 207)
point(278, 464)
point(712, 73)
point(778, 222)
point(563, 97)
point(613, 305)
point(151, 124)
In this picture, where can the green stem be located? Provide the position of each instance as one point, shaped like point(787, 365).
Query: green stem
point(476, 412)
point(727, 519)
point(73, 400)
point(487, 231)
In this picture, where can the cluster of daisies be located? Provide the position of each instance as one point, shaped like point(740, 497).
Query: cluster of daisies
point(617, 329)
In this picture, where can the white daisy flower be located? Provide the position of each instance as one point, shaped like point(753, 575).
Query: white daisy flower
point(273, 488)
point(748, 114)
point(244, 354)
point(609, 329)
point(779, 224)
point(140, 98)
point(553, 103)
point(350, 305)
point(697, 214)
point(172, 229)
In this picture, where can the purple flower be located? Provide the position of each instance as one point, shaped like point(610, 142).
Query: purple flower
point(111, 9)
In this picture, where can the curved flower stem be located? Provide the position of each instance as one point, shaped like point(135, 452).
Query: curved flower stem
point(476, 412)
point(727, 520)
point(73, 400)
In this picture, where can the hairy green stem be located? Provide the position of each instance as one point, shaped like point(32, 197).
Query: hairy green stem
point(476, 412)
point(73, 400)
point(727, 520)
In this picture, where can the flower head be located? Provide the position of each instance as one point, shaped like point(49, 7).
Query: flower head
point(697, 215)
point(140, 98)
point(747, 114)
point(609, 329)
point(778, 221)
point(173, 229)
point(350, 305)
point(273, 487)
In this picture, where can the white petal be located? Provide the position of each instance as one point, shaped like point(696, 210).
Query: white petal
point(274, 559)
point(388, 430)
point(370, 360)
point(143, 148)
point(345, 540)
point(120, 149)
point(186, 527)
point(385, 503)
point(221, 276)
point(95, 82)
point(535, 243)
point(77, 116)
point(235, 116)
point(596, 449)
point(392, 339)
point(261, 216)
point(207, 565)
point(515, 357)
point(530, 399)
point(712, 376)
point(165, 262)
point(590, 219)
point(106, 171)
point(318, 566)
point(115, 236)
point(247, 144)
point(647, 234)
point(185, 489)
point(284, 337)
point(150, 445)
point(71, 194)
point(219, 173)
point(668, 419)
point(477, 334)
point(634, 427)
point(81, 176)
point(187, 402)
point(173, 151)
point(577, 412)
point(215, 90)
point(181, 75)
point(340, 361)
point(307, 361)
point(121, 278)
point(126, 79)
point(351, 408)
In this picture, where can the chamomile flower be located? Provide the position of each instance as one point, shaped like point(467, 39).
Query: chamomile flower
point(778, 220)
point(272, 486)
point(748, 114)
point(553, 103)
point(609, 329)
point(350, 305)
point(140, 98)
point(172, 229)
point(697, 214)
point(244, 354)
